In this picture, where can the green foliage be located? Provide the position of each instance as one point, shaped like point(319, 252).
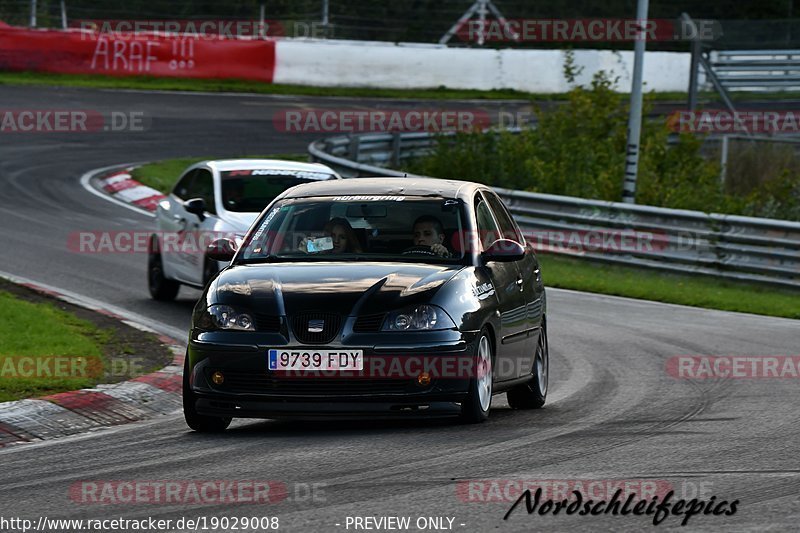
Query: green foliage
point(578, 149)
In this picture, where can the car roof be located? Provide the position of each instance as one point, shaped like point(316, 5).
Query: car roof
point(406, 186)
point(224, 165)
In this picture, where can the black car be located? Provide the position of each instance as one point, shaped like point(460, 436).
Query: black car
point(370, 297)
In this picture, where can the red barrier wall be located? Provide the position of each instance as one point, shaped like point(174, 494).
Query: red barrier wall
point(76, 52)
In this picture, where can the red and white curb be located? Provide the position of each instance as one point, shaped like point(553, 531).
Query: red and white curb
point(69, 413)
point(117, 185)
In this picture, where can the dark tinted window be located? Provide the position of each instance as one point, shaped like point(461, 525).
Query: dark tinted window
point(501, 214)
point(487, 228)
point(181, 190)
point(202, 186)
point(253, 190)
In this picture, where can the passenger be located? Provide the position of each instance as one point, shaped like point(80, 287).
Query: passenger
point(343, 236)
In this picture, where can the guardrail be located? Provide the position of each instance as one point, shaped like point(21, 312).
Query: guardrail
point(725, 246)
point(757, 69)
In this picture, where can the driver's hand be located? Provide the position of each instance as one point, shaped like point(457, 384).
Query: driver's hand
point(440, 250)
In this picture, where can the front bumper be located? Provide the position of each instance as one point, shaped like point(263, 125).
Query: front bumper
point(250, 390)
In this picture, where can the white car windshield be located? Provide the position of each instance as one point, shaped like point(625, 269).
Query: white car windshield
point(250, 191)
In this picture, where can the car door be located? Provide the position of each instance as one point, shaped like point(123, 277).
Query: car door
point(172, 223)
point(186, 233)
point(528, 267)
point(507, 282)
point(199, 227)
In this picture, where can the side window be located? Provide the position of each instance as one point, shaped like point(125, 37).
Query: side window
point(203, 187)
point(198, 183)
point(507, 226)
point(487, 229)
point(181, 190)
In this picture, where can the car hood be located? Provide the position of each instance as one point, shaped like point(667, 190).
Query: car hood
point(240, 221)
point(347, 288)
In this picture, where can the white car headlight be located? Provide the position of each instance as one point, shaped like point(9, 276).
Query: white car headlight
point(418, 318)
point(226, 317)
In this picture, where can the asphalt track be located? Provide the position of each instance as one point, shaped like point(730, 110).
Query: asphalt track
point(614, 412)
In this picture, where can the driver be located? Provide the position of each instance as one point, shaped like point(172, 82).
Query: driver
point(428, 231)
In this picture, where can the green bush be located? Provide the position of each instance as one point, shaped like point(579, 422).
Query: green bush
point(578, 149)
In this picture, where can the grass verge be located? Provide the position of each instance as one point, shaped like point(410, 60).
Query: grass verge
point(244, 86)
point(45, 350)
point(162, 175)
point(646, 284)
point(49, 346)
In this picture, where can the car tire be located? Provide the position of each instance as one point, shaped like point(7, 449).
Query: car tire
point(476, 407)
point(533, 394)
point(199, 423)
point(160, 287)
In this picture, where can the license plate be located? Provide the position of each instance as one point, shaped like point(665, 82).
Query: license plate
point(315, 359)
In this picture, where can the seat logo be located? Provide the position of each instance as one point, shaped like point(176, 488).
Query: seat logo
point(316, 325)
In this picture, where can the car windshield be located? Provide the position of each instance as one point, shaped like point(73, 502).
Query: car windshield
point(250, 191)
point(358, 228)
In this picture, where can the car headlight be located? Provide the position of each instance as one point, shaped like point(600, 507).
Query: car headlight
point(418, 318)
point(226, 317)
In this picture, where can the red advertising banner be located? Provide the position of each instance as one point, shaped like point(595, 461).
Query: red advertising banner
point(135, 54)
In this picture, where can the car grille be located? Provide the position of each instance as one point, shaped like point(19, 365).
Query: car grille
point(369, 323)
point(268, 323)
point(258, 383)
point(331, 324)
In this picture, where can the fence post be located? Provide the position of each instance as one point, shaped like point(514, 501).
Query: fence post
point(694, 68)
point(354, 148)
point(33, 14)
point(63, 14)
point(723, 161)
point(633, 147)
point(397, 141)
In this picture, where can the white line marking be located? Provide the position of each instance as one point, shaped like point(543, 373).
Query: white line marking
point(85, 182)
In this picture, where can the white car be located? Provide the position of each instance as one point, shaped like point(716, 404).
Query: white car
point(214, 199)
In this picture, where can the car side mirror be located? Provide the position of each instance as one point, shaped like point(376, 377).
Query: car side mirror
point(221, 250)
point(196, 206)
point(503, 250)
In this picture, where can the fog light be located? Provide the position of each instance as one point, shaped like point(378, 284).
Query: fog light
point(217, 378)
point(424, 379)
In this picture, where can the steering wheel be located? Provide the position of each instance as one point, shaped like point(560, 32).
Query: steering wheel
point(420, 249)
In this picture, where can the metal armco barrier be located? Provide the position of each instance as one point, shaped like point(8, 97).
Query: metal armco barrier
point(757, 69)
point(725, 246)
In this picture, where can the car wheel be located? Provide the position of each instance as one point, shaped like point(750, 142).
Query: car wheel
point(160, 287)
point(478, 403)
point(532, 395)
point(200, 423)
